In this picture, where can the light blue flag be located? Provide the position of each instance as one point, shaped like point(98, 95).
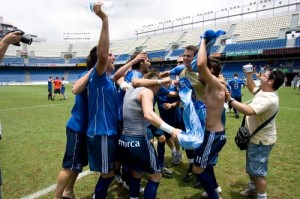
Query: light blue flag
point(193, 137)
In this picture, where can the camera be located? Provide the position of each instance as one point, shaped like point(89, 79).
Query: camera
point(24, 38)
point(248, 68)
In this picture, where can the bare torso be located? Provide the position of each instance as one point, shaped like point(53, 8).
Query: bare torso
point(214, 101)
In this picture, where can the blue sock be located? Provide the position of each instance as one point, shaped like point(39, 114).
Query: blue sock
point(211, 172)
point(151, 190)
point(126, 173)
point(208, 185)
point(102, 187)
point(134, 187)
point(161, 153)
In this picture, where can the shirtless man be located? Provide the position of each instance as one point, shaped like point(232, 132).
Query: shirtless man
point(214, 136)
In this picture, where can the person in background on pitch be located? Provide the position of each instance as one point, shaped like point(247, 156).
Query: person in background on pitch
point(236, 91)
point(264, 105)
point(57, 86)
point(63, 88)
point(50, 82)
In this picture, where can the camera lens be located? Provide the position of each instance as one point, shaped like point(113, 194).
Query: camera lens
point(26, 40)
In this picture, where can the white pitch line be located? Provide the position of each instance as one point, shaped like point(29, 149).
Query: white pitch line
point(29, 107)
point(294, 109)
point(52, 187)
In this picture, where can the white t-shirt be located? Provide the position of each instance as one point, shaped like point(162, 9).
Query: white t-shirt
point(265, 105)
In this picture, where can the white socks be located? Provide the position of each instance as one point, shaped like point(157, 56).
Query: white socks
point(262, 196)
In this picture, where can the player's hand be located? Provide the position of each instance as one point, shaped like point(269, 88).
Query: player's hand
point(98, 10)
point(175, 133)
point(140, 57)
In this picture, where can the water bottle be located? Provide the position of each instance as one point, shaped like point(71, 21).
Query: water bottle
point(108, 6)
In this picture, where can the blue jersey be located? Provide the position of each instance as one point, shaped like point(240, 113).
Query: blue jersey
point(79, 118)
point(133, 74)
point(50, 84)
point(172, 115)
point(236, 87)
point(102, 105)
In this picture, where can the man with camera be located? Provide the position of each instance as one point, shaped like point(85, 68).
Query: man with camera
point(10, 38)
point(263, 106)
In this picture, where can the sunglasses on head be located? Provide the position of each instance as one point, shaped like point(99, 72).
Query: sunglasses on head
point(180, 62)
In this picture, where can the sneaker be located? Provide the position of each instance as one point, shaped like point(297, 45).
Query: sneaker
point(125, 186)
point(218, 190)
point(237, 116)
point(177, 157)
point(174, 156)
point(118, 179)
point(248, 192)
point(167, 172)
point(188, 175)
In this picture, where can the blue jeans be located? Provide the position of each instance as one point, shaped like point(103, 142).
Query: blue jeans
point(257, 159)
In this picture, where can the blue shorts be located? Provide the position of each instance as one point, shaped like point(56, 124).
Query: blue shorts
point(62, 90)
point(152, 132)
point(75, 157)
point(208, 152)
point(101, 153)
point(139, 154)
point(257, 159)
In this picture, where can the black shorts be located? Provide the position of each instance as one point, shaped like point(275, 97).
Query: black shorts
point(139, 154)
point(56, 91)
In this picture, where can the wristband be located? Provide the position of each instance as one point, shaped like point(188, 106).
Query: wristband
point(230, 101)
point(166, 127)
point(159, 82)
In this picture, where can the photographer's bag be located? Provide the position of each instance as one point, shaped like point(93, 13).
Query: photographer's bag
point(243, 135)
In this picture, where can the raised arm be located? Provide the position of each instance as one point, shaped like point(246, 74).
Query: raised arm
point(202, 65)
point(250, 82)
point(103, 44)
point(123, 70)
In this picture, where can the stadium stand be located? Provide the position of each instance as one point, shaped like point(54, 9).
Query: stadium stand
point(268, 28)
point(12, 75)
point(192, 36)
point(256, 45)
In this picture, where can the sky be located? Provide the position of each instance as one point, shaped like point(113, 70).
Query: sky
point(50, 19)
